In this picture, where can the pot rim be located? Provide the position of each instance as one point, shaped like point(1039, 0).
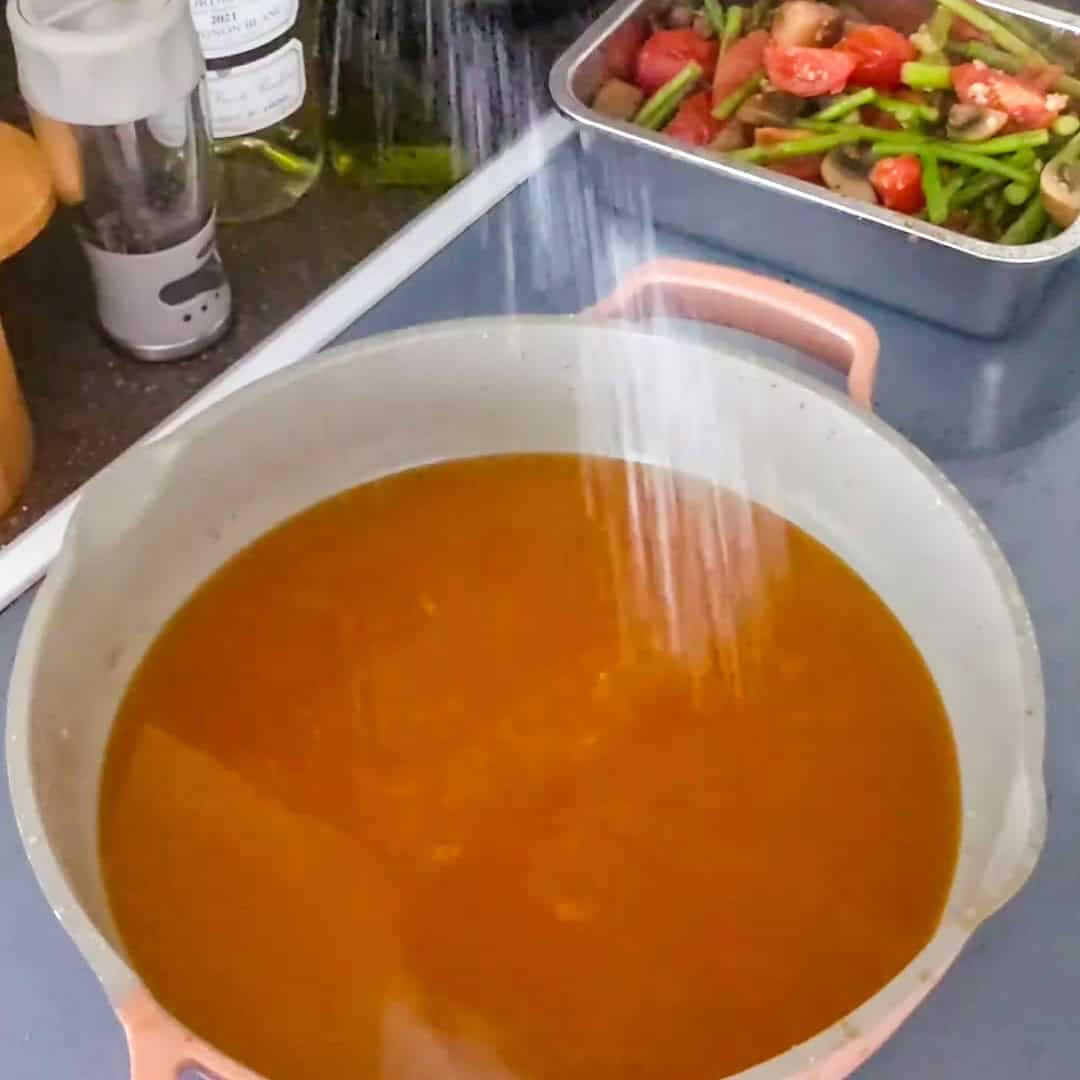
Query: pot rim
point(908, 986)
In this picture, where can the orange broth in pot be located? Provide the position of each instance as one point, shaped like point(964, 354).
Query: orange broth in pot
point(392, 796)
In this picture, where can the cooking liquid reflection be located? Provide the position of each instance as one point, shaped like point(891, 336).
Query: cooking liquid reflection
point(394, 795)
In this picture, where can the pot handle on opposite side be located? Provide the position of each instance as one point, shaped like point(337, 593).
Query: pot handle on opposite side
point(162, 1049)
point(771, 309)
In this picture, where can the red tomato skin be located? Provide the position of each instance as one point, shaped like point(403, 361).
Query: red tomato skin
point(879, 53)
point(1026, 106)
point(623, 47)
point(961, 30)
point(743, 58)
point(694, 123)
point(807, 72)
point(667, 52)
point(898, 183)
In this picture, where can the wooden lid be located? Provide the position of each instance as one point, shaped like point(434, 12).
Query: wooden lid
point(26, 191)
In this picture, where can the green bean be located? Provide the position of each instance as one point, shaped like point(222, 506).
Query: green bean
point(976, 50)
point(1052, 229)
point(999, 34)
point(1028, 225)
point(759, 14)
point(864, 131)
point(663, 104)
point(730, 105)
point(792, 148)
point(997, 207)
point(1016, 194)
point(939, 25)
point(921, 76)
point(1066, 125)
point(715, 14)
point(974, 190)
point(937, 206)
point(947, 152)
point(908, 110)
point(1007, 144)
point(845, 105)
point(733, 23)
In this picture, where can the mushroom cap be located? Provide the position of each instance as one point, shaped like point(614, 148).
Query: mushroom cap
point(1059, 183)
point(846, 170)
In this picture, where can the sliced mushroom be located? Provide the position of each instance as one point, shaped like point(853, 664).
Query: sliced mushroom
point(973, 123)
point(680, 16)
point(846, 170)
point(772, 108)
point(618, 99)
point(732, 136)
point(803, 22)
point(1060, 185)
point(703, 27)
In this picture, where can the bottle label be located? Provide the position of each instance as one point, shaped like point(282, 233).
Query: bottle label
point(252, 96)
point(228, 27)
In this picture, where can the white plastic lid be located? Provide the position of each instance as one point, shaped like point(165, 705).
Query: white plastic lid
point(104, 62)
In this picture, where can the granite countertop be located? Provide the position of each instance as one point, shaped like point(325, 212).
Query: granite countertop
point(87, 400)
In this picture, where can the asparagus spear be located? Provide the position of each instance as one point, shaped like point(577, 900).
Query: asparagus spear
point(793, 148)
point(661, 107)
point(846, 105)
point(731, 103)
point(715, 14)
point(947, 152)
point(921, 76)
point(1028, 225)
point(937, 205)
point(999, 34)
point(733, 23)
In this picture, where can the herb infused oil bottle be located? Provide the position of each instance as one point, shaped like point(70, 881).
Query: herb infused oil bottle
point(262, 102)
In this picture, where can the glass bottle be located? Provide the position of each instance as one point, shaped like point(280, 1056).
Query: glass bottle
point(262, 103)
point(392, 71)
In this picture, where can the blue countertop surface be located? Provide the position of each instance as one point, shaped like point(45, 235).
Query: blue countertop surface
point(1003, 421)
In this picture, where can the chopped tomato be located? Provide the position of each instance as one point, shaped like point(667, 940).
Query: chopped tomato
point(745, 57)
point(694, 123)
point(879, 53)
point(961, 30)
point(802, 168)
point(622, 49)
point(808, 72)
point(1027, 107)
point(667, 52)
point(898, 183)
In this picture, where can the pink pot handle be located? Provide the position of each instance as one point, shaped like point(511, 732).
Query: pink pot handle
point(159, 1047)
point(759, 305)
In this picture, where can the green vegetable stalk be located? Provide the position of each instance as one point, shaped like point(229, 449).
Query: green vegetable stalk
point(1066, 125)
point(793, 148)
point(937, 205)
point(846, 105)
point(715, 14)
point(922, 76)
point(999, 34)
point(1009, 144)
point(1028, 225)
point(948, 152)
point(730, 105)
point(733, 23)
point(663, 104)
point(907, 112)
point(863, 131)
point(976, 189)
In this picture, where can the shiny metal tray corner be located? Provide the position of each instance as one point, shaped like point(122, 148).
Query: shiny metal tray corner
point(975, 286)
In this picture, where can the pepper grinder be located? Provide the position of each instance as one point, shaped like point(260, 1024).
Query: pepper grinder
point(115, 92)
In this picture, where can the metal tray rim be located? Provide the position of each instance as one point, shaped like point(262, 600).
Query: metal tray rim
point(561, 80)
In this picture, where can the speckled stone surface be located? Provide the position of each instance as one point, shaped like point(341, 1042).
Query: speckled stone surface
point(87, 400)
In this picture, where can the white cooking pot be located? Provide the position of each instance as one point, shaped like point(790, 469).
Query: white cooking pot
point(166, 515)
